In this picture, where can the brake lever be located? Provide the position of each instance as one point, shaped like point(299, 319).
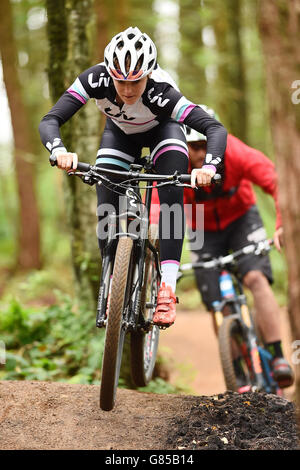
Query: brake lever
point(85, 177)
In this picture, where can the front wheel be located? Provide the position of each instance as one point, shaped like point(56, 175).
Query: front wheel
point(115, 329)
point(144, 345)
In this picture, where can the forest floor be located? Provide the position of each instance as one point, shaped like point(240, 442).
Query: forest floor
point(44, 415)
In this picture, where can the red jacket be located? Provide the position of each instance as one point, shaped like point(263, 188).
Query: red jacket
point(243, 166)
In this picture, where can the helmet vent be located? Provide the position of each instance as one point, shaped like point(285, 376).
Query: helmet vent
point(140, 62)
point(138, 45)
point(151, 64)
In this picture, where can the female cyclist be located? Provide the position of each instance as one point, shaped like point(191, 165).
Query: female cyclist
point(144, 108)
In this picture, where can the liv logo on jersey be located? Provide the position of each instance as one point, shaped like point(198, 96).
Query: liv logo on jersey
point(121, 114)
point(157, 98)
point(102, 80)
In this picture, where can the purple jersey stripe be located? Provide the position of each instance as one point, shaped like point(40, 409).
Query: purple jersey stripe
point(76, 95)
point(210, 167)
point(171, 261)
point(170, 147)
point(187, 112)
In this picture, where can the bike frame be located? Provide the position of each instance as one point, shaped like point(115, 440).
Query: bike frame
point(139, 212)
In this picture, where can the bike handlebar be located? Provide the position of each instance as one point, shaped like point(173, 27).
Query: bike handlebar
point(256, 248)
point(133, 174)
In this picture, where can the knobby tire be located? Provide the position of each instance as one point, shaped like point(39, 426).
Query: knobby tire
point(115, 332)
point(229, 327)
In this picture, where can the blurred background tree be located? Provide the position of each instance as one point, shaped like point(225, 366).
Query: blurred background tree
point(28, 234)
point(280, 30)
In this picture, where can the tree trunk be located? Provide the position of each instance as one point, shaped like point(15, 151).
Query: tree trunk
point(122, 14)
point(191, 72)
point(102, 39)
point(142, 15)
point(102, 35)
point(28, 256)
point(57, 31)
point(280, 30)
point(67, 33)
point(85, 142)
point(231, 89)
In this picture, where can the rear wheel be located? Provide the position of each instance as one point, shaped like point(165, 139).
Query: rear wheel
point(235, 360)
point(144, 345)
point(115, 330)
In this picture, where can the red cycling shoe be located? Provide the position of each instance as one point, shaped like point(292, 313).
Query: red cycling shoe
point(282, 372)
point(165, 312)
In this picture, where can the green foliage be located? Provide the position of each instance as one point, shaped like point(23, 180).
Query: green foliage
point(159, 385)
point(57, 343)
point(54, 343)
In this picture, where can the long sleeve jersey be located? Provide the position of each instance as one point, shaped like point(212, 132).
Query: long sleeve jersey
point(161, 100)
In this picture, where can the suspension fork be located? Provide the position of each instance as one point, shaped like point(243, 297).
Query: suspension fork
point(138, 275)
point(107, 268)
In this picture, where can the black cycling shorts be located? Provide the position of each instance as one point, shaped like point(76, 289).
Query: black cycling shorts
point(243, 231)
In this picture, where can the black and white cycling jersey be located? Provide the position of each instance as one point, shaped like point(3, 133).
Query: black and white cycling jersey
point(161, 101)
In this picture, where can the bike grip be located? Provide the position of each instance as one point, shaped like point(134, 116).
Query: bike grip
point(217, 178)
point(80, 165)
point(185, 179)
point(83, 166)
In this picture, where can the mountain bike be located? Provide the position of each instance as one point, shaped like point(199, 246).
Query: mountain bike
point(245, 362)
point(130, 277)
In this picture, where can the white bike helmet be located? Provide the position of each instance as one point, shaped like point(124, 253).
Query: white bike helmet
point(130, 55)
point(194, 136)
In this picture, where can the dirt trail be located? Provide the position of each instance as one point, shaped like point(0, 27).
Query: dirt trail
point(40, 415)
point(52, 416)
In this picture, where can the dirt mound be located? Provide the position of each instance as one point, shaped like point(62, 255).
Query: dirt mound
point(230, 421)
point(42, 415)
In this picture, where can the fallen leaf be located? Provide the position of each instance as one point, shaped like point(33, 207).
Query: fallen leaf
point(224, 439)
